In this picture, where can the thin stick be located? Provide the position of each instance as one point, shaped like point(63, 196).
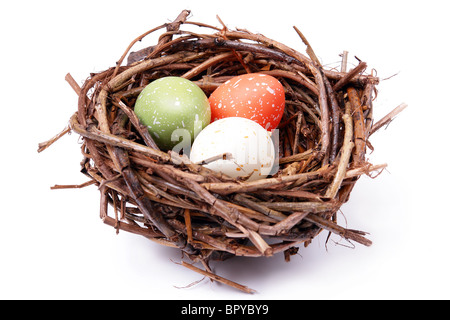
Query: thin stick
point(359, 126)
point(113, 140)
point(73, 186)
point(220, 279)
point(191, 207)
point(174, 26)
point(334, 119)
point(309, 49)
point(297, 133)
point(187, 222)
point(223, 156)
point(364, 170)
point(231, 187)
point(286, 225)
point(344, 61)
point(366, 100)
point(345, 157)
point(293, 76)
point(278, 216)
point(237, 54)
point(118, 63)
point(208, 63)
point(48, 143)
point(333, 227)
point(259, 243)
point(44, 145)
point(311, 207)
point(73, 83)
point(324, 116)
point(297, 157)
point(349, 76)
point(387, 118)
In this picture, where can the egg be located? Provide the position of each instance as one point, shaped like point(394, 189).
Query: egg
point(173, 107)
point(249, 148)
point(255, 96)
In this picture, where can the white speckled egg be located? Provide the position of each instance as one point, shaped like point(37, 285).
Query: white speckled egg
point(250, 148)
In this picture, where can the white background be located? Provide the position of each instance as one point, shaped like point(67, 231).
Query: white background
point(53, 244)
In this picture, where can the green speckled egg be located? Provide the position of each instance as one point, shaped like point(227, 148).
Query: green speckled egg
point(172, 103)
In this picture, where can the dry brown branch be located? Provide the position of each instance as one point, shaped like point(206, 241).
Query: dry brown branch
point(349, 76)
point(218, 278)
point(359, 126)
point(345, 158)
point(48, 143)
point(388, 118)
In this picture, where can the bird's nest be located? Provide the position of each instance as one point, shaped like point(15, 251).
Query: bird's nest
point(323, 139)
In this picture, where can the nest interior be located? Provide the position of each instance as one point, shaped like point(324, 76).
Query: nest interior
point(162, 196)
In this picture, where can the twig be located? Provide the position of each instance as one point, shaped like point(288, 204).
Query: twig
point(364, 170)
point(205, 65)
point(297, 157)
point(73, 83)
point(187, 222)
point(349, 76)
point(175, 25)
point(309, 49)
point(304, 81)
point(251, 186)
point(359, 126)
point(344, 61)
point(223, 156)
point(324, 115)
point(335, 116)
point(285, 225)
point(312, 207)
point(259, 207)
point(345, 157)
point(220, 279)
point(366, 101)
point(297, 133)
point(205, 213)
point(387, 118)
point(237, 54)
point(332, 227)
point(259, 243)
point(136, 123)
point(44, 145)
point(73, 186)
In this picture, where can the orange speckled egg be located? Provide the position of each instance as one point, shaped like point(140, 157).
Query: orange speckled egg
point(255, 96)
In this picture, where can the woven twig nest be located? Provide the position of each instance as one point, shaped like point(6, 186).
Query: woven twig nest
point(162, 196)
